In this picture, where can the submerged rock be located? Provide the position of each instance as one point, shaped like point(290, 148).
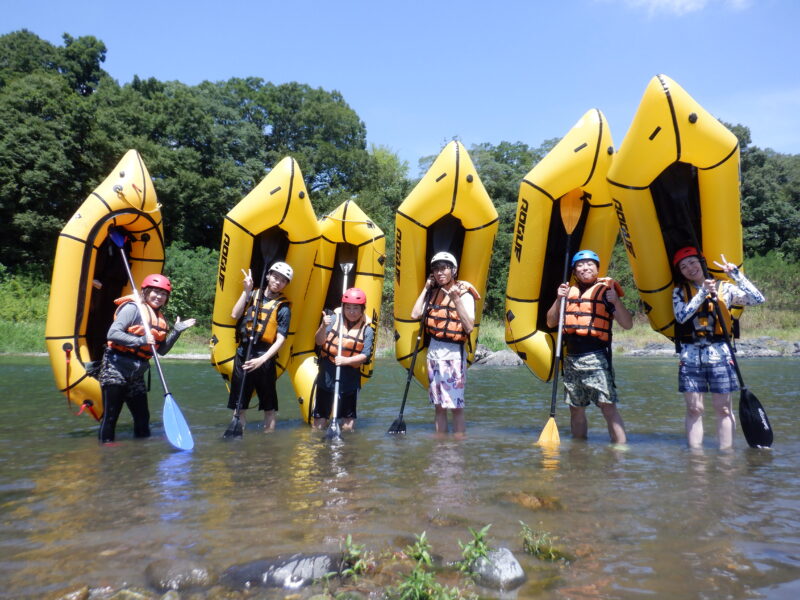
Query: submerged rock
point(178, 574)
point(499, 570)
point(532, 501)
point(80, 593)
point(287, 572)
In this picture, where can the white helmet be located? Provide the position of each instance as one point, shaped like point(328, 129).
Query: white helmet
point(283, 269)
point(446, 257)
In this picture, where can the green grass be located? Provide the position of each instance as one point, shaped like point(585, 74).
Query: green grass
point(22, 337)
point(24, 300)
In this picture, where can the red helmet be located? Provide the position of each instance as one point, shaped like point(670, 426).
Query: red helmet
point(685, 253)
point(157, 281)
point(354, 296)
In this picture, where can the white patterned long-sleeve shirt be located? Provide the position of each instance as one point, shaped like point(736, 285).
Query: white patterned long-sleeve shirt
point(742, 293)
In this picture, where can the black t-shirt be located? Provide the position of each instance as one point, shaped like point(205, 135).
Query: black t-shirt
point(581, 344)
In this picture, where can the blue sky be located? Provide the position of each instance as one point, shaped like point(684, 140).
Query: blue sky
point(420, 73)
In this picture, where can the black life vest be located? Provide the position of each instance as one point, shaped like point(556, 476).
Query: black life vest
point(267, 319)
point(704, 325)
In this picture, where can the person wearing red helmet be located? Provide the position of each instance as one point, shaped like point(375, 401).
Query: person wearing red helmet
point(127, 357)
point(592, 306)
point(265, 315)
point(446, 306)
point(706, 364)
point(357, 339)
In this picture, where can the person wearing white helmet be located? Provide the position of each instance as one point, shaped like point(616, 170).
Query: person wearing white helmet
point(592, 306)
point(447, 307)
point(263, 315)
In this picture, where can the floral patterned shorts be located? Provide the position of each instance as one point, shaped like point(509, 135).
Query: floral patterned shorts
point(447, 379)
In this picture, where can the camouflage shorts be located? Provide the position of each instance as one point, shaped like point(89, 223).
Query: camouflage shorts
point(119, 369)
point(588, 379)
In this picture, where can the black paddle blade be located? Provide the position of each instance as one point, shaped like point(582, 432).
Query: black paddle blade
point(755, 424)
point(234, 429)
point(399, 426)
point(334, 432)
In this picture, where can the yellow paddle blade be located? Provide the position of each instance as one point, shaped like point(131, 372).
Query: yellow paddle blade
point(571, 208)
point(549, 435)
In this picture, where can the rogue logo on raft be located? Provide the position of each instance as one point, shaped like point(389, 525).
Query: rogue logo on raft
point(623, 228)
point(520, 234)
point(223, 260)
point(398, 238)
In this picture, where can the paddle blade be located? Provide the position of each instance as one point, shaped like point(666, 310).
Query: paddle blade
point(175, 425)
point(755, 424)
point(549, 435)
point(398, 426)
point(334, 432)
point(571, 208)
point(234, 429)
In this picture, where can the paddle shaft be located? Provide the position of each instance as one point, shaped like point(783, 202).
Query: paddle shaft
point(724, 327)
point(145, 320)
point(334, 413)
point(414, 356)
point(561, 312)
point(251, 342)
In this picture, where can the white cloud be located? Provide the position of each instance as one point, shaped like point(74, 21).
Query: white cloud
point(683, 7)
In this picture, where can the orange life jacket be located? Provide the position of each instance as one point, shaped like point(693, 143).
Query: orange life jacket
point(267, 319)
point(587, 313)
point(704, 324)
point(441, 319)
point(352, 339)
point(158, 328)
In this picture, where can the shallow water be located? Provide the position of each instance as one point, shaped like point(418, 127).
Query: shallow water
point(654, 520)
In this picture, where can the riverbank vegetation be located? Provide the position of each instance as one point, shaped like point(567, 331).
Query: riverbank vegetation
point(64, 124)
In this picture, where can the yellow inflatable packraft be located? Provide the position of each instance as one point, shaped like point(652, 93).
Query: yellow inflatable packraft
point(274, 222)
point(348, 237)
point(448, 210)
point(675, 183)
point(88, 274)
point(578, 166)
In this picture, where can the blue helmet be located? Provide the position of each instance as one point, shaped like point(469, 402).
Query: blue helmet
point(585, 255)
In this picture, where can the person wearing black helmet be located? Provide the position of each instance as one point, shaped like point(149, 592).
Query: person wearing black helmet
point(264, 315)
point(127, 357)
point(706, 364)
point(592, 306)
point(356, 348)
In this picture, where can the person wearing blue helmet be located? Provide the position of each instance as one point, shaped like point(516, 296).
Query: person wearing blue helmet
point(591, 307)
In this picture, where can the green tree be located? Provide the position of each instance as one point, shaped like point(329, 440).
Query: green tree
point(502, 169)
point(770, 189)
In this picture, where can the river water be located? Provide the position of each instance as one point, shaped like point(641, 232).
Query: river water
point(651, 521)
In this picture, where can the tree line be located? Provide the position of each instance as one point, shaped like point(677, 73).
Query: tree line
point(65, 123)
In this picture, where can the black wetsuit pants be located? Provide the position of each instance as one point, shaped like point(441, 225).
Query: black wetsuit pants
point(114, 396)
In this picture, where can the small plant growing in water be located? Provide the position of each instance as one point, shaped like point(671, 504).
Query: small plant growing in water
point(422, 585)
point(474, 549)
point(355, 558)
point(540, 544)
point(420, 550)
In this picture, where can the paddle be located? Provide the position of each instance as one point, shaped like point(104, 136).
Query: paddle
point(235, 429)
point(399, 425)
point(755, 424)
point(175, 425)
point(334, 431)
point(571, 208)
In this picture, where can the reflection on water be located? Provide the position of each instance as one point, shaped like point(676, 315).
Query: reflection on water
point(650, 519)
